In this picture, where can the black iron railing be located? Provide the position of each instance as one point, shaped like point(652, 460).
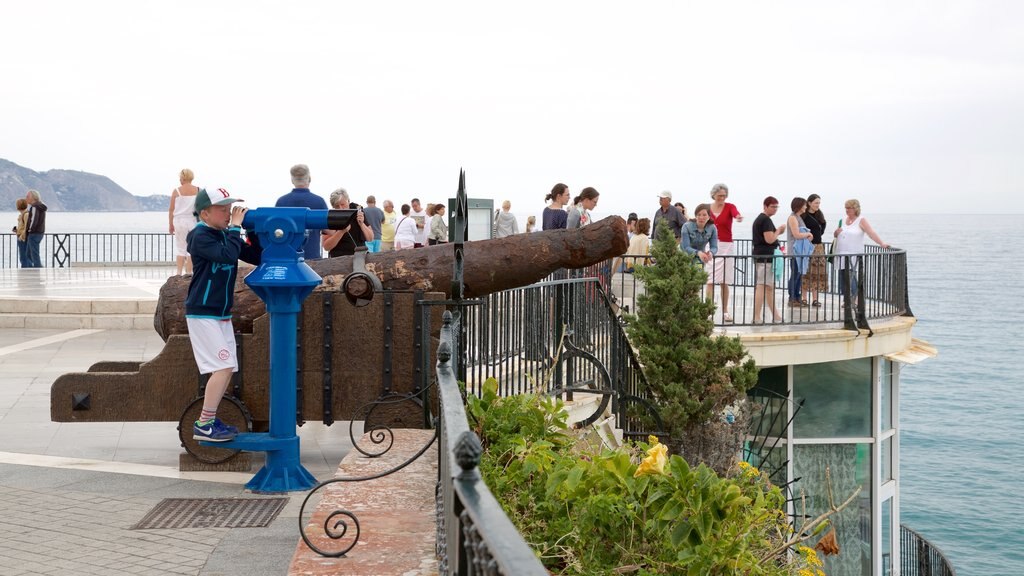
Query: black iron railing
point(559, 337)
point(72, 249)
point(857, 288)
point(919, 557)
point(474, 536)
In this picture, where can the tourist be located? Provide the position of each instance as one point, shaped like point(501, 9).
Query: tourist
point(638, 250)
point(682, 210)
point(723, 214)
point(181, 220)
point(699, 236)
point(579, 214)
point(816, 278)
point(796, 230)
point(631, 221)
point(419, 216)
point(850, 240)
point(301, 197)
point(21, 231)
point(387, 227)
point(531, 224)
point(554, 216)
point(668, 215)
point(405, 230)
point(344, 242)
point(215, 245)
point(35, 227)
point(505, 221)
point(765, 239)
point(374, 217)
point(438, 225)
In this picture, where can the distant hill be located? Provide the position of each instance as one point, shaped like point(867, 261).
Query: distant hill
point(72, 191)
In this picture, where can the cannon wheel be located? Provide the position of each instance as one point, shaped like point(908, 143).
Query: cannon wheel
point(231, 411)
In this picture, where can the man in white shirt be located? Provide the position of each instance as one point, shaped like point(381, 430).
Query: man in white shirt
point(422, 226)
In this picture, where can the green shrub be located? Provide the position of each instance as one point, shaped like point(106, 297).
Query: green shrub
point(632, 510)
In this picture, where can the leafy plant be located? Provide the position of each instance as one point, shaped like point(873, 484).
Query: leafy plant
point(636, 509)
point(694, 374)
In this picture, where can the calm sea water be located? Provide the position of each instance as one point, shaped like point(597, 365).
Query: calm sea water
point(962, 457)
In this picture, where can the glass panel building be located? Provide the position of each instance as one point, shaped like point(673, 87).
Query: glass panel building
point(831, 419)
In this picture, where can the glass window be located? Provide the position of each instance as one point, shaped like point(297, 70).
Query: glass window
point(769, 403)
point(850, 468)
point(887, 459)
point(886, 370)
point(836, 399)
point(887, 537)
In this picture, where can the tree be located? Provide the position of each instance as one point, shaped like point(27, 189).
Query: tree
point(694, 374)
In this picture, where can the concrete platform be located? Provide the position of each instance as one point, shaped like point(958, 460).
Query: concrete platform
point(107, 298)
point(70, 492)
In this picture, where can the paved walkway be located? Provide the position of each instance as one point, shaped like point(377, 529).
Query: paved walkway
point(70, 492)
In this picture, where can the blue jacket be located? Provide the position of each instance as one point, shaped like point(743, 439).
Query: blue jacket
point(303, 198)
point(214, 267)
point(694, 240)
point(802, 248)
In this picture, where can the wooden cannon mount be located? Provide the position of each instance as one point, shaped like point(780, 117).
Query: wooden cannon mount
point(348, 357)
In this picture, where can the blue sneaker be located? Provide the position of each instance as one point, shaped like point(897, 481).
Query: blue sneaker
point(214, 431)
point(226, 425)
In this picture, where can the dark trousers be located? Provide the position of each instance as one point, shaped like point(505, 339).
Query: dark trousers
point(34, 261)
point(795, 280)
point(23, 254)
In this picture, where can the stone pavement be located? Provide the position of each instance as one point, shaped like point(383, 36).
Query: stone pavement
point(70, 492)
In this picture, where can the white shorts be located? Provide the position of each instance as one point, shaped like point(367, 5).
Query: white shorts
point(182, 226)
point(213, 344)
point(720, 269)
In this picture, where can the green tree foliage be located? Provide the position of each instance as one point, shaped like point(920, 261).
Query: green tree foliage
point(694, 374)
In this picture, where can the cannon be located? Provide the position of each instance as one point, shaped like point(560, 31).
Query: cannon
point(347, 357)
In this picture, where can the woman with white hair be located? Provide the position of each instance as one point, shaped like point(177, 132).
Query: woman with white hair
point(723, 214)
point(181, 220)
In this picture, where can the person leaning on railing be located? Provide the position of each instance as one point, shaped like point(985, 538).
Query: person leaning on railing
point(700, 236)
point(850, 240)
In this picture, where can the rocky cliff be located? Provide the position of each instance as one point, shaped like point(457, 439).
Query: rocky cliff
point(72, 191)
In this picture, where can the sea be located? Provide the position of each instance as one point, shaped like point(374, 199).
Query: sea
point(962, 438)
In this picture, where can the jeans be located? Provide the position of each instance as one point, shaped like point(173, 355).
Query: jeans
point(795, 280)
point(23, 253)
point(33, 251)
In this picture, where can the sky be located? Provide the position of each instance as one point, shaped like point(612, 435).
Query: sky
point(910, 107)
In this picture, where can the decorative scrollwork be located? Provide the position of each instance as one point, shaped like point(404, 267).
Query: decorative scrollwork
point(331, 531)
point(379, 433)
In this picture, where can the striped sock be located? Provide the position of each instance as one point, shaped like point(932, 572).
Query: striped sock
point(207, 415)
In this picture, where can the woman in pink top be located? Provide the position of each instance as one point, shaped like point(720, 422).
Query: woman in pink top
point(722, 214)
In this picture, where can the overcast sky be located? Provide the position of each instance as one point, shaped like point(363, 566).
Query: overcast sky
point(907, 106)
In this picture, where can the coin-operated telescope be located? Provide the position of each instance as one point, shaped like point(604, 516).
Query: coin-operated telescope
point(282, 280)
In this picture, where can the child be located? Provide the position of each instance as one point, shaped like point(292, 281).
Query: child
point(21, 230)
point(214, 245)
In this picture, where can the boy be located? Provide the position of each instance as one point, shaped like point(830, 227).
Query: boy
point(215, 246)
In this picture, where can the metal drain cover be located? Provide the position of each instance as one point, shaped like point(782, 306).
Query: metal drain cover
point(172, 513)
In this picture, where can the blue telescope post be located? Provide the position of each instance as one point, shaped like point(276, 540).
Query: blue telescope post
point(282, 280)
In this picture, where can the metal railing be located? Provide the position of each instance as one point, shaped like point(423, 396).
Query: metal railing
point(559, 337)
point(474, 536)
point(77, 248)
point(919, 557)
point(857, 288)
